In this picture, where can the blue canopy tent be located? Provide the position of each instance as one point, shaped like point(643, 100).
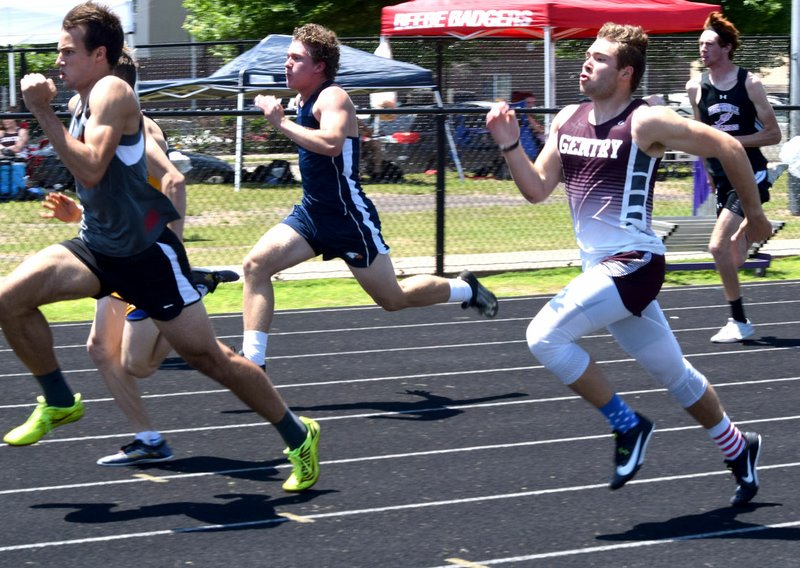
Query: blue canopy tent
point(260, 70)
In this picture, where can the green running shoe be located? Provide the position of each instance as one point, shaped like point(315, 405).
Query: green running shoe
point(304, 459)
point(43, 419)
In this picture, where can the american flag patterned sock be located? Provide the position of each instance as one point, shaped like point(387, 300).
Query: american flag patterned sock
point(728, 438)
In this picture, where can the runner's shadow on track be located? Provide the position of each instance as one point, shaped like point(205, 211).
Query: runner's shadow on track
point(772, 341)
point(719, 523)
point(236, 511)
point(174, 364)
point(240, 469)
point(429, 407)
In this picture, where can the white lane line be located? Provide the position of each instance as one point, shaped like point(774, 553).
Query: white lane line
point(405, 507)
point(628, 545)
point(455, 407)
point(406, 455)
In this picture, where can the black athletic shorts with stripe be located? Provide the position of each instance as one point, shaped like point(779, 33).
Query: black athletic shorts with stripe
point(157, 280)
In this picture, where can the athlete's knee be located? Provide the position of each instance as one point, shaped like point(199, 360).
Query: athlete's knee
point(557, 352)
point(687, 386)
point(100, 351)
point(391, 303)
point(719, 248)
point(727, 252)
point(14, 305)
point(139, 369)
point(258, 265)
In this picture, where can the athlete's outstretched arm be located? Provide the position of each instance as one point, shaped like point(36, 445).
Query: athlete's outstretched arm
point(536, 181)
point(173, 182)
point(657, 128)
point(336, 115)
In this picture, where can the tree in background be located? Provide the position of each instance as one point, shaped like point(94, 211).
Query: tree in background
point(210, 20)
point(758, 17)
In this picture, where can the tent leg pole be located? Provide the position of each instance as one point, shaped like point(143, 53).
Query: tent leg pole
point(237, 172)
point(549, 75)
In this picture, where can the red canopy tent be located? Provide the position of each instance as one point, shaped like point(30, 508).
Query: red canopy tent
point(547, 19)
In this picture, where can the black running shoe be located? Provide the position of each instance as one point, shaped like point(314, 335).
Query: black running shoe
point(630, 450)
point(210, 278)
point(744, 469)
point(482, 299)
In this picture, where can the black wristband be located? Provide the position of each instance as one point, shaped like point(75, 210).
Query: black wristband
point(510, 147)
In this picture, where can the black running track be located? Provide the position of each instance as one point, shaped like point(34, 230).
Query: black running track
point(443, 444)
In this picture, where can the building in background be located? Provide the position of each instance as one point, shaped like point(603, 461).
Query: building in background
point(159, 21)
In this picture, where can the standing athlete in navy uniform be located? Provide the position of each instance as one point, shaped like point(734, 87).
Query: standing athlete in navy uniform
point(606, 152)
point(335, 218)
point(734, 101)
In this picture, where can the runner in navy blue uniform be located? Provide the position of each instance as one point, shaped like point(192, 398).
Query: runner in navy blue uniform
point(335, 219)
point(606, 152)
point(734, 101)
point(124, 245)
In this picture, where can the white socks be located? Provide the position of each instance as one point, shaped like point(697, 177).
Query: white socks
point(149, 438)
point(254, 346)
point(460, 291)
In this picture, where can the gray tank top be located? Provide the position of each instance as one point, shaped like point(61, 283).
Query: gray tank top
point(123, 214)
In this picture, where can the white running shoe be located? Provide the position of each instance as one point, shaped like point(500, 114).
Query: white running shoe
point(734, 331)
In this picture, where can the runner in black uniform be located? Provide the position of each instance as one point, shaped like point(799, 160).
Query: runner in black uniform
point(606, 152)
point(124, 246)
point(124, 342)
point(732, 100)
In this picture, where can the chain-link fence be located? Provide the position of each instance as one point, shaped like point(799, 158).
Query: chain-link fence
point(469, 208)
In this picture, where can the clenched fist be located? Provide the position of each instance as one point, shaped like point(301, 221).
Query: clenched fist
point(37, 90)
point(271, 107)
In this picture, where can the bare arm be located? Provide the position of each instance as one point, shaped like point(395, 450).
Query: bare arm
point(115, 111)
point(536, 181)
point(22, 140)
point(693, 91)
point(173, 183)
point(656, 128)
point(770, 132)
point(337, 121)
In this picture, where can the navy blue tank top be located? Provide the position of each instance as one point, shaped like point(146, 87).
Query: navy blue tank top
point(331, 184)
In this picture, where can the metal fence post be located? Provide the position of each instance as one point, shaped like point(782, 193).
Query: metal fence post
point(440, 167)
point(794, 99)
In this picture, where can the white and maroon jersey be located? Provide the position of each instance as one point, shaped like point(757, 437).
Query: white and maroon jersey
point(609, 183)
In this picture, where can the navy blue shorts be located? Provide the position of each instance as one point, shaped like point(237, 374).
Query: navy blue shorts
point(354, 237)
point(157, 280)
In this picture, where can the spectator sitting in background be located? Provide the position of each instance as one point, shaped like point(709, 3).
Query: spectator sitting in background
point(531, 131)
point(14, 138)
